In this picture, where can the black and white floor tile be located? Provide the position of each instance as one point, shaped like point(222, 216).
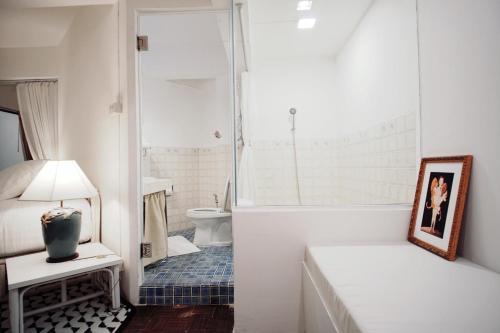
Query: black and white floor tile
point(93, 315)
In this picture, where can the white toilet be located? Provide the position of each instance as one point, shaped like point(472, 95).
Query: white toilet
point(213, 226)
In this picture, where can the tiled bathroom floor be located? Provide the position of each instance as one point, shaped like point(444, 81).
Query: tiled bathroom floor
point(204, 277)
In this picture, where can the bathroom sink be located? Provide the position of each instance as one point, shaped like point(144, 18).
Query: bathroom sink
point(152, 185)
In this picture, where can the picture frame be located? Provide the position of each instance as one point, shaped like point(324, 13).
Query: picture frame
point(439, 204)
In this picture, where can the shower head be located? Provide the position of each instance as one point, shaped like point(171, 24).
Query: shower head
point(292, 111)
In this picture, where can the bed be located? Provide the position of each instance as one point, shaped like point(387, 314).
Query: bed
point(396, 288)
point(20, 227)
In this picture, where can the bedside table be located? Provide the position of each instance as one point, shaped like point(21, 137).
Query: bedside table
point(29, 271)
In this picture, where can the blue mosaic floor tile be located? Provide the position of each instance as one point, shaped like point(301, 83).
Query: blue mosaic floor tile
point(204, 277)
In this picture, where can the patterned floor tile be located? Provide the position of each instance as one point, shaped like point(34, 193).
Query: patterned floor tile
point(88, 316)
point(204, 277)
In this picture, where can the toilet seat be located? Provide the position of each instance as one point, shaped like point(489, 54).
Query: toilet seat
point(204, 213)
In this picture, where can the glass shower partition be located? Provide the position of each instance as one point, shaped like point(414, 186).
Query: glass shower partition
point(318, 121)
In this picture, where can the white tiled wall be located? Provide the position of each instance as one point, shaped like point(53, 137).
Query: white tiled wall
point(373, 166)
point(214, 169)
point(196, 173)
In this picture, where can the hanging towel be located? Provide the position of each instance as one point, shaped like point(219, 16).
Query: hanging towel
point(155, 226)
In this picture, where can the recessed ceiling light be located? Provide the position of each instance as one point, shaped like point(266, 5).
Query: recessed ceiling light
point(306, 23)
point(304, 5)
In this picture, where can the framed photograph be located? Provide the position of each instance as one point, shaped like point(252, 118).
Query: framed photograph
point(439, 204)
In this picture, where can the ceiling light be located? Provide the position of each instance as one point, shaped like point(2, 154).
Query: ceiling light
point(304, 5)
point(306, 23)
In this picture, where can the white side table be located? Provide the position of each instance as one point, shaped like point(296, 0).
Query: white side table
point(26, 272)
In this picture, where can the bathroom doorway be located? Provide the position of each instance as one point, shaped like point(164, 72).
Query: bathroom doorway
point(186, 132)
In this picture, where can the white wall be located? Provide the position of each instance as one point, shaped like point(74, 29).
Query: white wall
point(30, 62)
point(376, 76)
point(218, 112)
point(306, 84)
point(460, 52)
point(185, 114)
point(171, 114)
point(460, 102)
point(34, 27)
point(89, 132)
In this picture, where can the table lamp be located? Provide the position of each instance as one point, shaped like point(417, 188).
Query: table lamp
point(58, 181)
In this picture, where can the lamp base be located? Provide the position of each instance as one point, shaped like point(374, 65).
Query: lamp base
point(63, 259)
point(61, 232)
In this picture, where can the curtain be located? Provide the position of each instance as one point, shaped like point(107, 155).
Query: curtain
point(38, 109)
point(155, 226)
point(246, 171)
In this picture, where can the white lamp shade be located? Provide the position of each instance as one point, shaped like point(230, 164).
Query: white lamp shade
point(59, 180)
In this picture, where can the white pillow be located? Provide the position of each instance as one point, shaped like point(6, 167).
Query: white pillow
point(15, 179)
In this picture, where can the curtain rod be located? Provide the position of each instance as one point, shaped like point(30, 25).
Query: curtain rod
point(8, 110)
point(10, 82)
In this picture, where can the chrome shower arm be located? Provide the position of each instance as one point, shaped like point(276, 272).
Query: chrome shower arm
point(293, 111)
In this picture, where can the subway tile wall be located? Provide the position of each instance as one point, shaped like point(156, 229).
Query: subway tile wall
point(373, 166)
point(197, 173)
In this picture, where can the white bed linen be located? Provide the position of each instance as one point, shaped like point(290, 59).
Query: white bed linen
point(20, 226)
point(403, 288)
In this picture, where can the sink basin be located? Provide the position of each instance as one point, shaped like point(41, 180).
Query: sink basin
point(152, 185)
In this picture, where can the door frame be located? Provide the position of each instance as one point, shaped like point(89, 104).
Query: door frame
point(135, 275)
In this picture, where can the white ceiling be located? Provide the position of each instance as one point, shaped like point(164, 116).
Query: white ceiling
point(184, 46)
point(34, 27)
point(274, 33)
